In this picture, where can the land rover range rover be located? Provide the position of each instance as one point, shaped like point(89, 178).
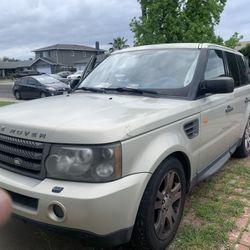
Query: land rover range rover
point(114, 159)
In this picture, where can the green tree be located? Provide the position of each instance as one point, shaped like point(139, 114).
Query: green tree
point(233, 40)
point(8, 59)
point(118, 44)
point(171, 21)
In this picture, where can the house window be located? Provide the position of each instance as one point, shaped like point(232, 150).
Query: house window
point(47, 54)
point(40, 54)
point(72, 53)
point(84, 54)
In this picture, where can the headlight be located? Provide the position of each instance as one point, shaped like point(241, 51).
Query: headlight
point(50, 89)
point(86, 163)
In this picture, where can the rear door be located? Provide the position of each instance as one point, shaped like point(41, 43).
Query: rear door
point(237, 70)
point(215, 122)
point(23, 87)
point(33, 90)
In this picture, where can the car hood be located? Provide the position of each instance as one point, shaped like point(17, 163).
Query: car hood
point(91, 118)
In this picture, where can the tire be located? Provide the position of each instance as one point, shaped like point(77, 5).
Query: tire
point(163, 202)
point(244, 149)
point(42, 95)
point(17, 95)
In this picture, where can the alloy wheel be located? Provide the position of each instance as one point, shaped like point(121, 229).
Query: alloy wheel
point(17, 95)
point(247, 136)
point(43, 95)
point(167, 204)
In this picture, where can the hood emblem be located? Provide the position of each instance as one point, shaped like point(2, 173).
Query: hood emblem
point(22, 133)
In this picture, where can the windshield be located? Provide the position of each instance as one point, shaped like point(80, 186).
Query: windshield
point(47, 80)
point(163, 70)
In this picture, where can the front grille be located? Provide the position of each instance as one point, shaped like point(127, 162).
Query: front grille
point(23, 156)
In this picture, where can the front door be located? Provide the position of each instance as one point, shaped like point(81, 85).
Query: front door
point(216, 126)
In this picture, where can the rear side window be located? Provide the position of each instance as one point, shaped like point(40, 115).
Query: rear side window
point(243, 71)
point(215, 65)
point(31, 81)
point(23, 80)
point(233, 68)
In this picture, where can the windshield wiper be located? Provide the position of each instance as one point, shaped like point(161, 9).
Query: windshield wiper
point(132, 90)
point(95, 90)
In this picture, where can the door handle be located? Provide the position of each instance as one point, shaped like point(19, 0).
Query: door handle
point(247, 100)
point(229, 109)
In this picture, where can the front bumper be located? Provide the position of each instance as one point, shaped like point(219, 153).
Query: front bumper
point(59, 92)
point(97, 209)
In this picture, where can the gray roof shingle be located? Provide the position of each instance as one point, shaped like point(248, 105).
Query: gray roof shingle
point(66, 47)
point(14, 65)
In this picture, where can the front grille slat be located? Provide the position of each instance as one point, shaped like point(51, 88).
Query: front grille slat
point(23, 156)
point(21, 142)
point(20, 152)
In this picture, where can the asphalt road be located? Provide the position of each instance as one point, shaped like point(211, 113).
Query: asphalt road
point(6, 91)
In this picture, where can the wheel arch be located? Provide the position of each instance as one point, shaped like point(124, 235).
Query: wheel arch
point(183, 158)
point(185, 161)
point(246, 117)
point(20, 95)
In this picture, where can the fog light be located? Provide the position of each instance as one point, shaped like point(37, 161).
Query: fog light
point(58, 211)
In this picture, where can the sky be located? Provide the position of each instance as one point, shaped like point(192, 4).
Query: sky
point(30, 24)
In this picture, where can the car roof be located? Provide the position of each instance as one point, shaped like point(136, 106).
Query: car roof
point(178, 46)
point(38, 77)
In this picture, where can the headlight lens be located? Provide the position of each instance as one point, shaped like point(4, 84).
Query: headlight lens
point(51, 89)
point(86, 163)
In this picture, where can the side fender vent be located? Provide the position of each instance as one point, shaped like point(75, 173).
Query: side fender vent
point(192, 129)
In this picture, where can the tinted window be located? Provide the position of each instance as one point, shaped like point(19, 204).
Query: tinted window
point(23, 80)
point(215, 65)
point(43, 79)
point(31, 81)
point(243, 71)
point(233, 68)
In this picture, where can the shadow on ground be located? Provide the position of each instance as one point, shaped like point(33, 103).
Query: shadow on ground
point(18, 235)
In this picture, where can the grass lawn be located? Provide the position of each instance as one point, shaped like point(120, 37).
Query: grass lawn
point(212, 208)
point(6, 81)
point(3, 103)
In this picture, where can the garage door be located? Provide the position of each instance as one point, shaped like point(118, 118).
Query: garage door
point(44, 69)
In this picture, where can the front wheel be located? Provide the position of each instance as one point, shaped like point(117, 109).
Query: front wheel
point(17, 95)
point(42, 95)
point(244, 149)
point(161, 207)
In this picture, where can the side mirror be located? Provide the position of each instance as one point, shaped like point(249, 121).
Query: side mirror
point(74, 83)
point(220, 85)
